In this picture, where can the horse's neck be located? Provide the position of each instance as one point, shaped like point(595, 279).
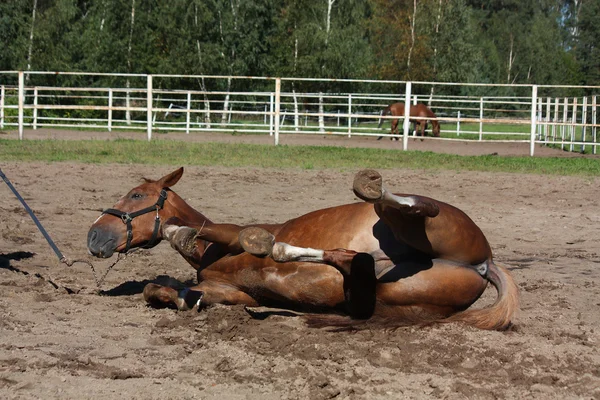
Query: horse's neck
point(186, 212)
point(431, 114)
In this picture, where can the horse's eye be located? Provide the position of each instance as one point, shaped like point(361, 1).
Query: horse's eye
point(136, 196)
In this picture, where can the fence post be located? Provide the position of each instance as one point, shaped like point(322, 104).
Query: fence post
point(21, 94)
point(277, 108)
point(271, 110)
point(480, 119)
point(556, 106)
point(594, 123)
point(458, 123)
point(573, 126)
point(2, 93)
point(584, 122)
point(547, 119)
point(110, 104)
point(534, 90)
point(563, 130)
point(406, 123)
point(149, 107)
point(35, 111)
point(187, 116)
point(349, 114)
point(540, 117)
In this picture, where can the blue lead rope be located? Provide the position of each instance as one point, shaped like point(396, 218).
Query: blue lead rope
point(34, 218)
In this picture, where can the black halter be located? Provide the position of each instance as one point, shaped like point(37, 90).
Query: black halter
point(128, 217)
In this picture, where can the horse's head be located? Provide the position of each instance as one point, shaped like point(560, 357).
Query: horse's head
point(435, 129)
point(135, 220)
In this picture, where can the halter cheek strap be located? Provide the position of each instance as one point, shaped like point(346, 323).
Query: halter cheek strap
point(127, 218)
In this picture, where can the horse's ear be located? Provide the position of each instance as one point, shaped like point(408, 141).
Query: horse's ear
point(171, 179)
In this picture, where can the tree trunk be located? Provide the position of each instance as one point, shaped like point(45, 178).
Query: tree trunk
point(224, 116)
point(30, 50)
point(435, 50)
point(328, 25)
point(128, 83)
point(412, 36)
point(511, 58)
point(327, 29)
point(103, 16)
point(296, 116)
point(202, 82)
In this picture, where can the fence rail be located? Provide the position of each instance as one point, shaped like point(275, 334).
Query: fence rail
point(557, 118)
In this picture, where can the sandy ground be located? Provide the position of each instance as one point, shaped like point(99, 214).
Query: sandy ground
point(60, 339)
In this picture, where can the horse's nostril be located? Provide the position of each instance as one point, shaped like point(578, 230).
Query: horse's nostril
point(94, 235)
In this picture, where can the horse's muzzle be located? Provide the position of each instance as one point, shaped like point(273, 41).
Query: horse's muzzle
point(102, 243)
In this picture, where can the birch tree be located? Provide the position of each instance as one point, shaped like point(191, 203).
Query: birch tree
point(203, 88)
point(32, 30)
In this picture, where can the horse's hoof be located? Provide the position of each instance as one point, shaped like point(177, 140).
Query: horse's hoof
point(189, 299)
point(257, 241)
point(181, 237)
point(368, 185)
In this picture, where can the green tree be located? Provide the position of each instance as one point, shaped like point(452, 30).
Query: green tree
point(588, 38)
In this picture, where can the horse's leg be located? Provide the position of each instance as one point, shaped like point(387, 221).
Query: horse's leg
point(368, 185)
point(164, 296)
point(394, 130)
point(438, 289)
point(205, 293)
point(433, 227)
point(184, 237)
point(358, 269)
point(261, 243)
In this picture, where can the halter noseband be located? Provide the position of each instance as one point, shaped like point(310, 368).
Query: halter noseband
point(128, 217)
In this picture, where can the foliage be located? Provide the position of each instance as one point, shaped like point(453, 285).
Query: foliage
point(490, 41)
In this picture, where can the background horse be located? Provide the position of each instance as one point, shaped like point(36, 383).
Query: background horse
point(418, 110)
point(404, 258)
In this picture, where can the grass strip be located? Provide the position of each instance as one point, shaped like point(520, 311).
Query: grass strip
point(166, 152)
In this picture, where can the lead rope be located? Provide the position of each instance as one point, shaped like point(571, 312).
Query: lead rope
point(60, 256)
point(99, 281)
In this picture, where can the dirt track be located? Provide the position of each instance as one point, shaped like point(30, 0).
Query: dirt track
point(59, 339)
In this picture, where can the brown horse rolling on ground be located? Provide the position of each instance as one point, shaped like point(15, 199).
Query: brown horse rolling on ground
point(419, 110)
point(396, 258)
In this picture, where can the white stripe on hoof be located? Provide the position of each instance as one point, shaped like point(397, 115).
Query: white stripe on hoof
point(169, 231)
point(181, 304)
point(283, 252)
point(403, 201)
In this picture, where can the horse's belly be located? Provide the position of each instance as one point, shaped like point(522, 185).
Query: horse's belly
point(302, 284)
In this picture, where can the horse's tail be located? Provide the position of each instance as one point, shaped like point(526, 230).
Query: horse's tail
point(385, 111)
point(498, 316)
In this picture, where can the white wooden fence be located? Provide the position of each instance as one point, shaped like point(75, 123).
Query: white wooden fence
point(569, 122)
